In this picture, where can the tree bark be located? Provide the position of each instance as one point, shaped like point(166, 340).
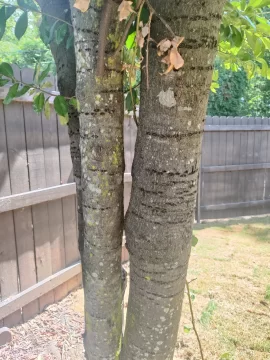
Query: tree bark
point(165, 170)
point(66, 76)
point(100, 93)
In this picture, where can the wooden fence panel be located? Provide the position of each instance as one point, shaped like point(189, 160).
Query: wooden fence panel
point(37, 179)
point(68, 205)
point(17, 160)
point(56, 226)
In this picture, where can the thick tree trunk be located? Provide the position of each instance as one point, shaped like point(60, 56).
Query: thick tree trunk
point(167, 156)
point(99, 91)
point(66, 74)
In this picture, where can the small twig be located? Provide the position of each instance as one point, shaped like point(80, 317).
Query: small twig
point(193, 319)
point(147, 48)
point(160, 18)
point(132, 100)
point(134, 87)
point(32, 86)
point(36, 11)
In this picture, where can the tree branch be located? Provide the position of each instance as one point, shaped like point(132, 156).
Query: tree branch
point(193, 319)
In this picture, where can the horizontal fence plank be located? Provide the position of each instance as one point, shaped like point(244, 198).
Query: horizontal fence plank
point(18, 201)
point(20, 300)
point(217, 128)
point(30, 198)
point(242, 167)
point(239, 205)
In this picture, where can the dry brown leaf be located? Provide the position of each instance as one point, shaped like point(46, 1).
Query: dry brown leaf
point(177, 40)
point(164, 45)
point(145, 31)
point(82, 5)
point(176, 59)
point(125, 9)
point(140, 39)
point(166, 60)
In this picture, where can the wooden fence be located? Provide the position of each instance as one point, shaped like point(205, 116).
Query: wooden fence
point(235, 167)
point(39, 259)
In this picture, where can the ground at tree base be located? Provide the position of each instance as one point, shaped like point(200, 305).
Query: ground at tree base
point(232, 303)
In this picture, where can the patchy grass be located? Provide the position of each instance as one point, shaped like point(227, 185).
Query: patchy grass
point(231, 303)
point(232, 292)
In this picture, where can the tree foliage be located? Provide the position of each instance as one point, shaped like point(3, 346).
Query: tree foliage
point(243, 45)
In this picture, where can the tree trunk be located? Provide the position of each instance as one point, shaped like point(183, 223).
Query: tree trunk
point(100, 93)
point(66, 75)
point(165, 170)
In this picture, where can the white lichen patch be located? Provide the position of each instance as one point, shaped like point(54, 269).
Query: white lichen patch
point(167, 98)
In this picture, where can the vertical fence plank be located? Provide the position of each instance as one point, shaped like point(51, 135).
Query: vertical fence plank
point(258, 174)
point(206, 161)
point(228, 193)
point(52, 172)
point(69, 205)
point(11, 122)
point(40, 212)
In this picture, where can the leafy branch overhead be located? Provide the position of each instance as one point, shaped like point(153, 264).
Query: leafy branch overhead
point(38, 89)
point(243, 43)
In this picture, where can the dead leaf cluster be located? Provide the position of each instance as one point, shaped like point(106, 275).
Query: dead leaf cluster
point(170, 52)
point(125, 9)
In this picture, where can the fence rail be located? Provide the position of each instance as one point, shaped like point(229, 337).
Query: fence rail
point(38, 216)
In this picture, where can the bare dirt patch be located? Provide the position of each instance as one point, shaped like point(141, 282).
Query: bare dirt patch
point(232, 303)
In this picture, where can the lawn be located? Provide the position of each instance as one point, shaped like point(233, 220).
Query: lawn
point(231, 265)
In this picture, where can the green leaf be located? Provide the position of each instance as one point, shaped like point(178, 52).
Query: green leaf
point(237, 37)
point(60, 105)
point(63, 119)
point(47, 109)
point(23, 90)
point(75, 103)
point(264, 28)
point(70, 42)
point(44, 30)
point(11, 94)
point(36, 72)
point(21, 25)
point(131, 40)
point(61, 33)
point(187, 329)
point(194, 241)
point(52, 32)
point(259, 3)
point(27, 5)
point(3, 82)
point(131, 100)
point(264, 70)
point(2, 21)
point(10, 11)
point(247, 21)
point(39, 101)
point(243, 4)
point(44, 74)
point(6, 70)
point(46, 85)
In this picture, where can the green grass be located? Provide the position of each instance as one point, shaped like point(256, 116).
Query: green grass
point(267, 293)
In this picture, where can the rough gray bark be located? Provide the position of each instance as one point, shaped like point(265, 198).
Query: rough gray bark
point(66, 75)
point(99, 91)
point(165, 170)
